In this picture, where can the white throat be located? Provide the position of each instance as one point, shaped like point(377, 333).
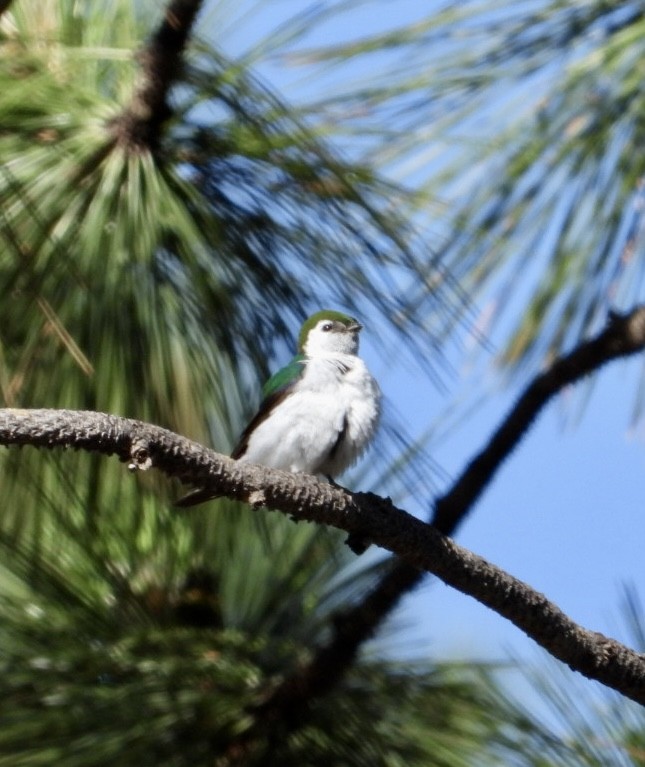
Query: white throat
point(331, 343)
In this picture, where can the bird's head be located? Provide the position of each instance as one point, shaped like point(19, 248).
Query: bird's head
point(329, 332)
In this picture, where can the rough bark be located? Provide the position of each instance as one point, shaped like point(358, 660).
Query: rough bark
point(418, 544)
point(419, 547)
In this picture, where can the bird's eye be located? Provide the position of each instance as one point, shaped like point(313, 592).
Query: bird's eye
point(327, 327)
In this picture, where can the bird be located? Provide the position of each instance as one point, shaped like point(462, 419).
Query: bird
point(319, 413)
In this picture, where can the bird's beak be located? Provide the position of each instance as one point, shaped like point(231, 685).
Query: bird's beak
point(355, 327)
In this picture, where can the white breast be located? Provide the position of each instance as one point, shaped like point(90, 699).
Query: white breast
point(325, 424)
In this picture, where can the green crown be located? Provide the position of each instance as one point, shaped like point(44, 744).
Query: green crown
point(325, 314)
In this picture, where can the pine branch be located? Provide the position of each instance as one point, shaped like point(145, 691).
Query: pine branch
point(623, 336)
point(303, 497)
point(421, 546)
point(139, 126)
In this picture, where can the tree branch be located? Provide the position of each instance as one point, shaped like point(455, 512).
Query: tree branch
point(302, 497)
point(623, 336)
point(139, 126)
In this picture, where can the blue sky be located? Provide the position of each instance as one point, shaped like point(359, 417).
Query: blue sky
point(566, 512)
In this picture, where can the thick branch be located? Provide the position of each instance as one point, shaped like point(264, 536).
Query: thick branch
point(139, 126)
point(420, 545)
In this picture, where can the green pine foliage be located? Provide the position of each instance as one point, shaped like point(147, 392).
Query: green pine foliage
point(519, 126)
point(156, 283)
point(152, 661)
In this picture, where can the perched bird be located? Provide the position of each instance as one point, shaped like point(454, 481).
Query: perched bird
point(319, 413)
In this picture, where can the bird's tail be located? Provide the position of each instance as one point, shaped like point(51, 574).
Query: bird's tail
point(199, 495)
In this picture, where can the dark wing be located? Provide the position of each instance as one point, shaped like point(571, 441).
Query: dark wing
point(340, 438)
point(275, 391)
point(265, 410)
point(200, 494)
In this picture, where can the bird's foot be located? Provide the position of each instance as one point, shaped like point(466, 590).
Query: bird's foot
point(333, 483)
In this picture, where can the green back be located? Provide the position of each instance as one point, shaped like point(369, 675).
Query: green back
point(284, 377)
